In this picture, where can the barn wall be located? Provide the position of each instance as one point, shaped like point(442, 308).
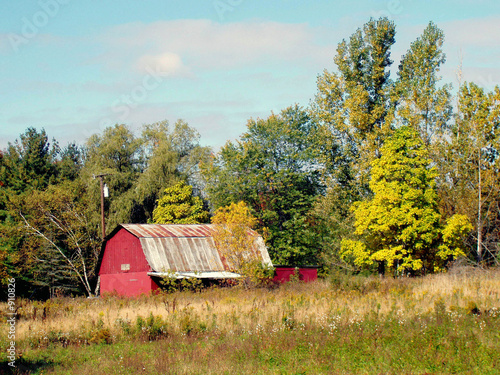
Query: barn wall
point(127, 284)
point(123, 254)
point(283, 274)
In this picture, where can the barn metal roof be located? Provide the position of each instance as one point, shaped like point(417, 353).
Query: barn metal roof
point(169, 230)
point(185, 248)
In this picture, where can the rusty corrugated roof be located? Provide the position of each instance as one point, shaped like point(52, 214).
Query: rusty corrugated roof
point(184, 247)
point(168, 230)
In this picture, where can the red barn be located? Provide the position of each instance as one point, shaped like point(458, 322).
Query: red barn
point(133, 255)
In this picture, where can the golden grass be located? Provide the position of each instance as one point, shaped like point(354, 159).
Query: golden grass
point(233, 310)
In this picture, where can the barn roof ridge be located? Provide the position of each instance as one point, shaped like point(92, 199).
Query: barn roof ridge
point(172, 230)
point(169, 230)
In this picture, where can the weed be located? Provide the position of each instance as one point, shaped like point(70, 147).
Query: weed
point(351, 324)
point(101, 336)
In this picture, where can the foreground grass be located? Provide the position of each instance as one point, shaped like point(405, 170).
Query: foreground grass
point(441, 324)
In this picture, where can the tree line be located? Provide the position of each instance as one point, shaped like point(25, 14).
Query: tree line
point(395, 174)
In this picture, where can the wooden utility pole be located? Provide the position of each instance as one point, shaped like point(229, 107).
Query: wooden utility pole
point(103, 223)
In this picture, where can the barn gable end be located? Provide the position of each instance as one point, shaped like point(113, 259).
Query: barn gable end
point(123, 253)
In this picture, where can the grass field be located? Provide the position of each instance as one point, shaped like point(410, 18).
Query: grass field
point(439, 324)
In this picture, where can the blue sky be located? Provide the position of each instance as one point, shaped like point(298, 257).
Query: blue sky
point(74, 67)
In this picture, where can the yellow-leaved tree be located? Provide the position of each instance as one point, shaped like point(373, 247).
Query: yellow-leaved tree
point(400, 227)
point(179, 206)
point(239, 245)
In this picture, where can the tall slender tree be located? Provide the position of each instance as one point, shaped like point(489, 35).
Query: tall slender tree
point(354, 108)
point(355, 103)
point(470, 167)
point(421, 103)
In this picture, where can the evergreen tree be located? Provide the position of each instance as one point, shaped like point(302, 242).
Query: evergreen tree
point(29, 163)
point(53, 275)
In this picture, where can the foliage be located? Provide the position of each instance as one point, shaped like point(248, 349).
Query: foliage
point(457, 228)
point(421, 104)
point(336, 222)
point(117, 149)
point(170, 283)
point(359, 106)
point(58, 197)
point(298, 171)
point(71, 162)
point(29, 162)
point(400, 227)
point(115, 153)
point(179, 206)
point(171, 155)
point(470, 168)
point(55, 223)
point(14, 260)
point(273, 168)
point(238, 245)
point(355, 105)
point(139, 174)
point(354, 108)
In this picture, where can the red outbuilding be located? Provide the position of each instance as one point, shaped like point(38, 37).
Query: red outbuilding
point(283, 274)
point(133, 256)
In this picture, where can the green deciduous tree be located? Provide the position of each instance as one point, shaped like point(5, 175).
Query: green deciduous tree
point(117, 153)
point(30, 163)
point(355, 103)
point(140, 168)
point(421, 103)
point(54, 191)
point(401, 227)
point(171, 155)
point(57, 232)
point(354, 107)
point(359, 106)
point(273, 168)
point(179, 206)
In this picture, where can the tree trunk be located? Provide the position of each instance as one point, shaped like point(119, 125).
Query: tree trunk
point(381, 268)
point(479, 214)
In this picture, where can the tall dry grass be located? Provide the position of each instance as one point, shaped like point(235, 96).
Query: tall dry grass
point(441, 324)
point(235, 310)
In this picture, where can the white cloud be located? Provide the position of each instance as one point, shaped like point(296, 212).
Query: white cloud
point(473, 45)
point(203, 44)
point(168, 63)
point(475, 32)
